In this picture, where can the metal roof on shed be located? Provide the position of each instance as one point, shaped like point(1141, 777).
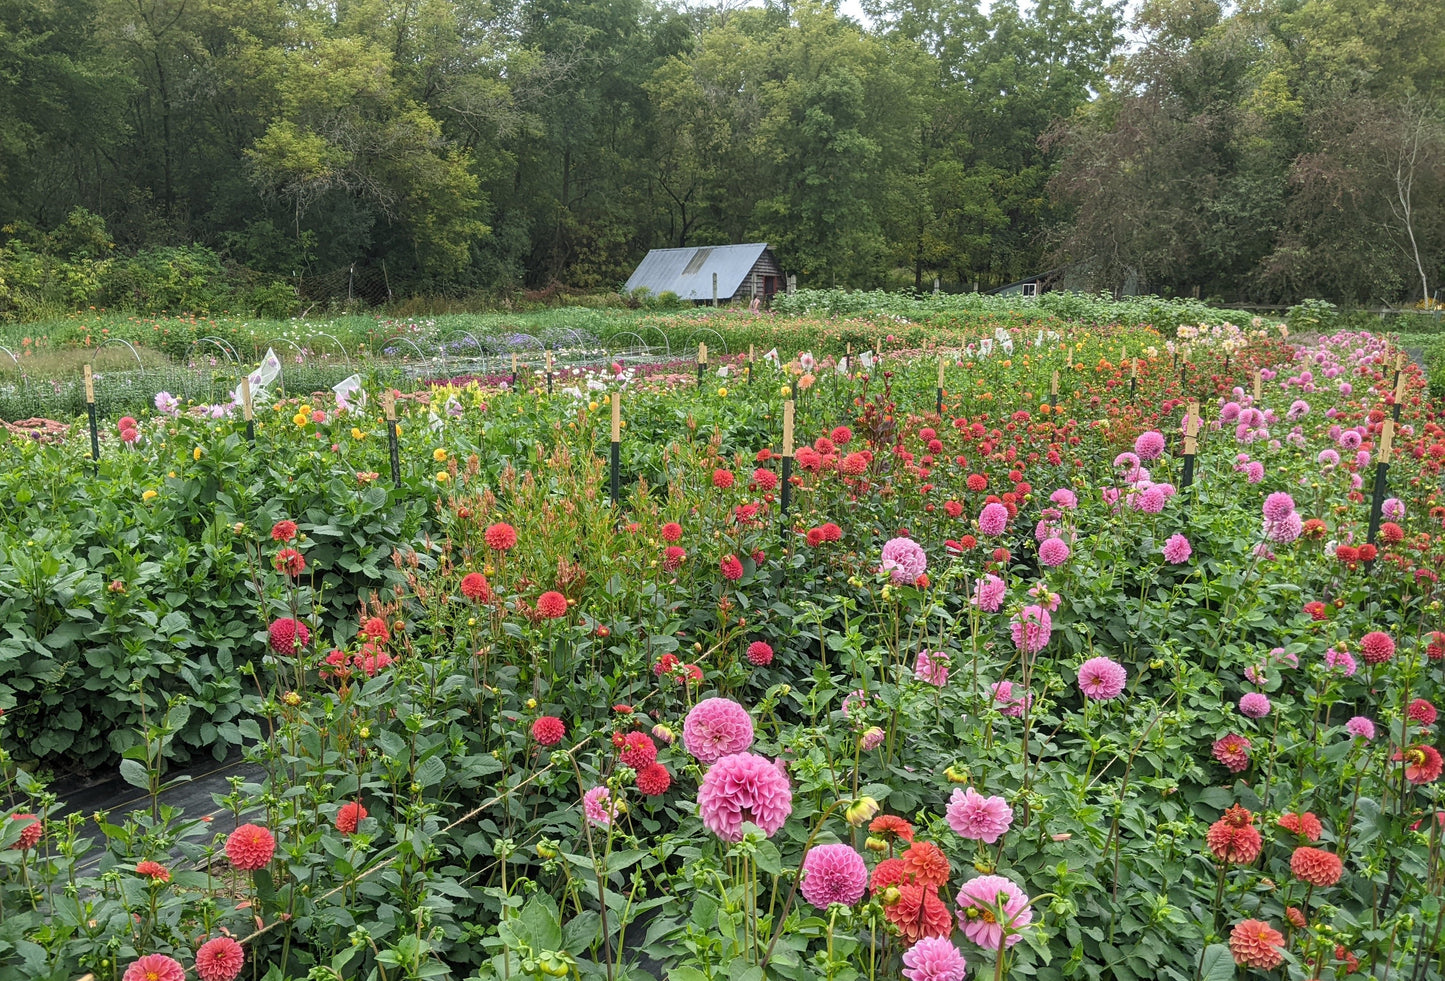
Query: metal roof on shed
point(688, 272)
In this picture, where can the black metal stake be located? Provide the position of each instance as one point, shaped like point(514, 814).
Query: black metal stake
point(940, 400)
point(1188, 477)
point(787, 493)
point(616, 472)
point(94, 436)
point(392, 442)
point(1377, 503)
point(251, 431)
point(90, 412)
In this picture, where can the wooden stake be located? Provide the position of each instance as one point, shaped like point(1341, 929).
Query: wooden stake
point(89, 385)
point(1387, 439)
point(1258, 384)
point(616, 417)
point(788, 428)
point(1191, 429)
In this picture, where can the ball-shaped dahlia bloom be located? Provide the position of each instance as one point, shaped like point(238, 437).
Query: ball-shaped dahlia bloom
point(833, 874)
point(716, 727)
point(250, 847)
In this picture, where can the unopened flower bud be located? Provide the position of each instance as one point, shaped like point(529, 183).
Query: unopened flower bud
point(662, 734)
point(891, 895)
point(876, 845)
point(861, 810)
point(953, 776)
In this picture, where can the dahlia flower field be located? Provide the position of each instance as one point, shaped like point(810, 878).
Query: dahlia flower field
point(1000, 693)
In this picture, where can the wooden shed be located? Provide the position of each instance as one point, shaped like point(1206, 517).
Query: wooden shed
point(743, 272)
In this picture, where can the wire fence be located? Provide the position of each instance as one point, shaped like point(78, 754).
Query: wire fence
point(211, 368)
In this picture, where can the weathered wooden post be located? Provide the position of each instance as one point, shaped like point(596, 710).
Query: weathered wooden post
point(701, 361)
point(939, 406)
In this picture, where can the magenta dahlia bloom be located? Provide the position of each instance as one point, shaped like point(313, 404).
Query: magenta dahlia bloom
point(1177, 549)
point(904, 560)
point(993, 519)
point(992, 911)
point(716, 727)
point(934, 959)
point(833, 874)
point(1102, 679)
point(1031, 628)
point(744, 787)
point(978, 818)
point(932, 667)
point(1149, 445)
point(1254, 705)
point(1053, 552)
point(988, 593)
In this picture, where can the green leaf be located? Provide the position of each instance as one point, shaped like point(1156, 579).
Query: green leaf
point(133, 773)
point(1217, 964)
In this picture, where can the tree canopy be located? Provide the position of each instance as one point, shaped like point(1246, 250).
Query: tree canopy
point(1282, 149)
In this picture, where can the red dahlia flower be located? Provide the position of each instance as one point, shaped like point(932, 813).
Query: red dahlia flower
point(1256, 944)
point(1316, 866)
point(350, 816)
point(1422, 763)
point(548, 730)
point(500, 536)
point(552, 605)
point(250, 847)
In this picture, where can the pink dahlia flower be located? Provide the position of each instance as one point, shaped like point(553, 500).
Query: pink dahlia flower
point(992, 911)
point(1149, 445)
point(904, 560)
point(932, 667)
point(978, 818)
point(744, 787)
point(1031, 628)
point(598, 807)
point(993, 519)
point(1254, 705)
point(1361, 727)
point(934, 959)
point(1065, 498)
point(1177, 549)
point(1102, 679)
point(1278, 506)
point(1009, 703)
point(155, 967)
point(833, 874)
point(716, 727)
point(1053, 552)
point(988, 593)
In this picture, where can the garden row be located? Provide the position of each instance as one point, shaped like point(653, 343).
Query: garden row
point(1003, 692)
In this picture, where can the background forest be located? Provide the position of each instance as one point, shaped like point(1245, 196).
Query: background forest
point(1281, 149)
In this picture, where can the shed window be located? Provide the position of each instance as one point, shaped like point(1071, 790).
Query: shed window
point(1031, 289)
